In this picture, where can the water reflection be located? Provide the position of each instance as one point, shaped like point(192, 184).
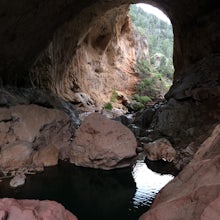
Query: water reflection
point(148, 183)
point(94, 194)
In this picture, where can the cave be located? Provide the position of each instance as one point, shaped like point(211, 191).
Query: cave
point(57, 53)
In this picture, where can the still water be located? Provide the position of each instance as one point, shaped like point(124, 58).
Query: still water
point(94, 194)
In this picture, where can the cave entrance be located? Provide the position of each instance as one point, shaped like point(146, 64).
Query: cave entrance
point(153, 36)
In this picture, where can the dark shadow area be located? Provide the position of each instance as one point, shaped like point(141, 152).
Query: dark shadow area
point(88, 193)
point(162, 167)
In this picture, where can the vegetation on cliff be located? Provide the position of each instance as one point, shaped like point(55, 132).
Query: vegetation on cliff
point(155, 73)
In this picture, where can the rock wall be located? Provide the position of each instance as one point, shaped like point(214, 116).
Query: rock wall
point(103, 61)
point(194, 193)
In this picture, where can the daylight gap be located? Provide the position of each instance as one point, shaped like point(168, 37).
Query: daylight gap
point(154, 53)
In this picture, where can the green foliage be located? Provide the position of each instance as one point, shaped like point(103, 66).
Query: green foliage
point(113, 99)
point(141, 99)
point(108, 106)
point(114, 96)
point(143, 66)
point(159, 35)
point(156, 75)
point(137, 105)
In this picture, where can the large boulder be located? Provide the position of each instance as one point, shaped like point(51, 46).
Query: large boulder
point(31, 118)
point(194, 193)
point(32, 135)
point(103, 143)
point(33, 209)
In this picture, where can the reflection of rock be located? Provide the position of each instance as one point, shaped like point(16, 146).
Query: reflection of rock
point(194, 193)
point(33, 209)
point(160, 149)
point(103, 143)
point(104, 194)
point(161, 167)
point(18, 180)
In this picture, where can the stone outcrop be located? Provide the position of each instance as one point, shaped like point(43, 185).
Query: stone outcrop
point(160, 149)
point(194, 193)
point(31, 135)
point(103, 143)
point(181, 121)
point(141, 48)
point(33, 209)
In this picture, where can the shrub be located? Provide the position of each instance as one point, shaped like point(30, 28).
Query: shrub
point(141, 99)
point(114, 96)
point(108, 106)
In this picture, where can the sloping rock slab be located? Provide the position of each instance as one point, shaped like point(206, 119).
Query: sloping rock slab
point(12, 209)
point(103, 143)
point(194, 194)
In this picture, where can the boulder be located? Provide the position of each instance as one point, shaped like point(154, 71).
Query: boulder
point(194, 193)
point(15, 155)
point(18, 180)
point(31, 118)
point(32, 135)
point(33, 210)
point(47, 156)
point(160, 149)
point(103, 143)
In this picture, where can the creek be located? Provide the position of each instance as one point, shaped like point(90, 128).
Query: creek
point(94, 194)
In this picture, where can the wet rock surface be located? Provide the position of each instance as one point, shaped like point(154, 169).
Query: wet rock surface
point(103, 143)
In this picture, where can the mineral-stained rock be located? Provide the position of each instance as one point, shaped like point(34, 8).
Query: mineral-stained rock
point(194, 193)
point(160, 149)
point(103, 143)
point(33, 210)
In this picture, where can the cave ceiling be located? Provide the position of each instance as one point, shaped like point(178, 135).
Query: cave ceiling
point(28, 26)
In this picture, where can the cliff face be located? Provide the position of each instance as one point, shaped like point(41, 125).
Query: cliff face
point(103, 61)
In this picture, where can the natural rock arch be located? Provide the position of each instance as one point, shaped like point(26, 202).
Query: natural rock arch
point(27, 28)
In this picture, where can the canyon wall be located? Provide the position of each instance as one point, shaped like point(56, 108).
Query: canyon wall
point(102, 62)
